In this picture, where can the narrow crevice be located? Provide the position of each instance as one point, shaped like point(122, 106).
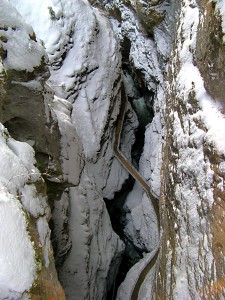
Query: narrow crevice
point(117, 215)
point(144, 111)
point(142, 104)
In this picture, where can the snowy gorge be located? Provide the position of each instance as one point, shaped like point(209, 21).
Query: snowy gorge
point(63, 64)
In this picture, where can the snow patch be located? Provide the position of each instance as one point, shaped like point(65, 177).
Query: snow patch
point(126, 288)
point(23, 53)
point(71, 149)
point(141, 226)
point(19, 200)
point(17, 255)
point(211, 113)
point(33, 202)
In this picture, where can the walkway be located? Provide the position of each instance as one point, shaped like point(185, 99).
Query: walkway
point(128, 166)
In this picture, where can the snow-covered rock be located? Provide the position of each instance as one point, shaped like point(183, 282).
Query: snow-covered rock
point(191, 103)
point(210, 55)
point(83, 100)
point(26, 255)
point(192, 251)
point(27, 263)
point(143, 71)
point(126, 289)
point(141, 224)
point(22, 52)
point(76, 109)
point(84, 62)
point(96, 250)
point(17, 255)
point(169, 54)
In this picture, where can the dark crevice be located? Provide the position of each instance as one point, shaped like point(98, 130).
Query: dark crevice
point(125, 51)
point(142, 104)
point(144, 111)
point(117, 215)
point(19, 128)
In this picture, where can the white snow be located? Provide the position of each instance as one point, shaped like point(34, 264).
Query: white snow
point(92, 104)
point(151, 159)
point(53, 32)
point(143, 54)
point(23, 53)
point(17, 254)
point(141, 222)
point(222, 167)
point(71, 149)
point(17, 257)
point(94, 244)
point(211, 114)
point(126, 288)
point(191, 168)
point(84, 64)
point(164, 33)
point(33, 202)
point(90, 67)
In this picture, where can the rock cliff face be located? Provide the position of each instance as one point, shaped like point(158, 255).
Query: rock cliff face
point(192, 199)
point(61, 70)
point(66, 111)
point(188, 106)
point(28, 267)
point(210, 48)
